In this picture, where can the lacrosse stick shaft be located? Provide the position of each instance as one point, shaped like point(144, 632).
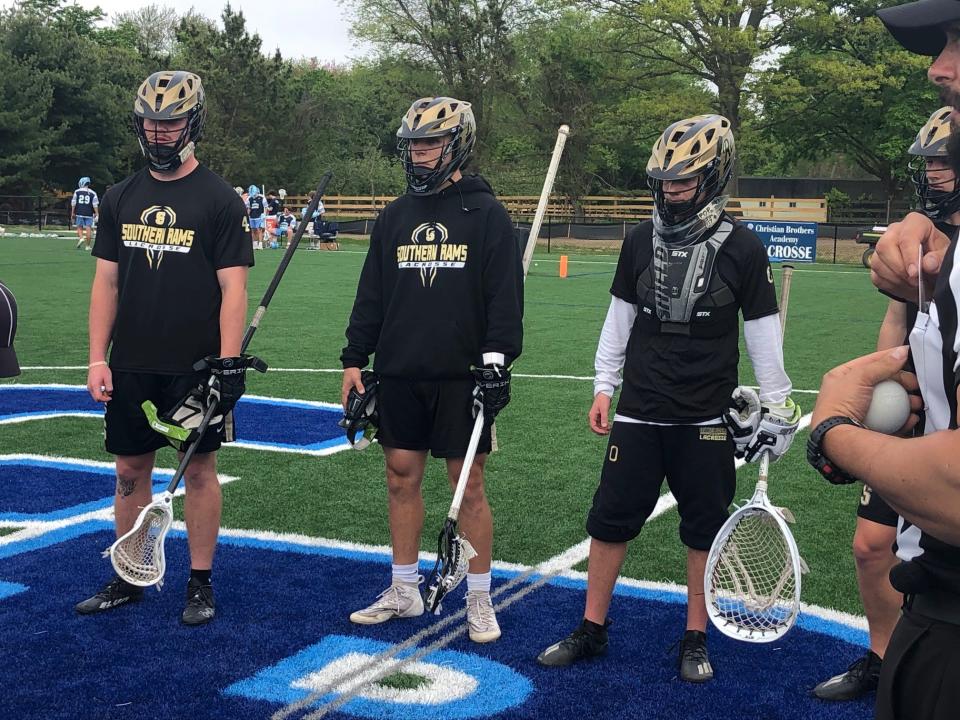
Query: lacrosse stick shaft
point(282, 267)
point(562, 134)
point(784, 303)
point(192, 447)
point(467, 464)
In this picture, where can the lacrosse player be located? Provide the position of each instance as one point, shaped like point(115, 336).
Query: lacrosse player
point(172, 249)
point(917, 476)
point(938, 197)
point(440, 303)
point(83, 211)
point(672, 331)
point(256, 207)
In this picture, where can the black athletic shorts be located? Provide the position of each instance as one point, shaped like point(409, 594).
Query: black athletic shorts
point(920, 675)
point(873, 507)
point(428, 415)
point(697, 462)
point(126, 430)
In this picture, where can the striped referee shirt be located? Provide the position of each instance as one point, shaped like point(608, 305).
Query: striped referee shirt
point(935, 348)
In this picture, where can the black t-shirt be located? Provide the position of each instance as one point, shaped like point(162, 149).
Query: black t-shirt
point(169, 239)
point(256, 206)
point(675, 378)
point(273, 206)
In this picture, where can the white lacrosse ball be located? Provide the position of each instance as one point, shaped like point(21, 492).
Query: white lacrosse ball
point(889, 408)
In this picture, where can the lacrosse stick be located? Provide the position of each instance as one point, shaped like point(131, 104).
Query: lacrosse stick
point(137, 556)
point(454, 551)
point(753, 574)
point(562, 134)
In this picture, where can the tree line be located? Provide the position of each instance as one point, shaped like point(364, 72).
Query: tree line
point(812, 87)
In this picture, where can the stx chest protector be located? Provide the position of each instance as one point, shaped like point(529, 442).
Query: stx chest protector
point(679, 278)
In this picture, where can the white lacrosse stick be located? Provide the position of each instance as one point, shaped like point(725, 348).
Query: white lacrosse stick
point(752, 579)
point(753, 575)
point(137, 556)
point(454, 551)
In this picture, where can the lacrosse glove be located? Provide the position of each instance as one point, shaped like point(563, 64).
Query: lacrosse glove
point(230, 374)
point(492, 391)
point(361, 416)
point(778, 425)
point(742, 418)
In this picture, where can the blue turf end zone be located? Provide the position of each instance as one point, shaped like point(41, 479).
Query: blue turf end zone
point(282, 630)
point(268, 423)
point(282, 615)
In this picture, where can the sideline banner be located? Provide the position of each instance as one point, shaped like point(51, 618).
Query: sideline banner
point(786, 240)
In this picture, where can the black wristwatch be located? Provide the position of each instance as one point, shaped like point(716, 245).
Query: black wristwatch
point(820, 461)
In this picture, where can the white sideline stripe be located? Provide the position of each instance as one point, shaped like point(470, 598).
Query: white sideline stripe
point(313, 370)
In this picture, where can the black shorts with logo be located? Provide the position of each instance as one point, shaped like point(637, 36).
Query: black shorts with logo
point(432, 415)
point(873, 507)
point(126, 429)
point(697, 462)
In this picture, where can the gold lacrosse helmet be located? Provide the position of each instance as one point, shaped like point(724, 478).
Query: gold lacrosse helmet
point(170, 95)
point(931, 143)
point(432, 117)
point(700, 147)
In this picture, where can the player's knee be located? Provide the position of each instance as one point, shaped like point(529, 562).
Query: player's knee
point(128, 480)
point(403, 486)
point(871, 549)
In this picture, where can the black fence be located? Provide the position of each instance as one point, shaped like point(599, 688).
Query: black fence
point(40, 211)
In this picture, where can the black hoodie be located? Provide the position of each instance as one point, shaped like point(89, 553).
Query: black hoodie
point(442, 284)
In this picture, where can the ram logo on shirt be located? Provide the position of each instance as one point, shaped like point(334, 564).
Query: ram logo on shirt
point(429, 250)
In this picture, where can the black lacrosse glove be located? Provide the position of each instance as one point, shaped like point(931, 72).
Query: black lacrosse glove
point(230, 374)
point(492, 390)
point(361, 416)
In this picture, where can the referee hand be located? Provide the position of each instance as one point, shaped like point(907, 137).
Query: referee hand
point(848, 389)
point(599, 414)
point(894, 266)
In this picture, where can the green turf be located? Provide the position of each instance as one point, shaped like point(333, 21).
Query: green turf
point(540, 483)
point(403, 681)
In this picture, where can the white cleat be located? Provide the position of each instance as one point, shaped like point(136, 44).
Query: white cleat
point(400, 600)
point(481, 619)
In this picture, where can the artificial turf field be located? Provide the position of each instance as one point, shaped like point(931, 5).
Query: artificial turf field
point(306, 527)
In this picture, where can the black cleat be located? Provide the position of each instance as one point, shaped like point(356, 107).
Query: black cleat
point(587, 641)
point(114, 594)
point(860, 678)
point(694, 663)
point(200, 605)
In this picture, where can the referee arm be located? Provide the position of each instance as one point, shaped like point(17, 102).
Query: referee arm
point(918, 477)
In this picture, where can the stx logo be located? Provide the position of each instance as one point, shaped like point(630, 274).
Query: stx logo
point(680, 253)
point(703, 313)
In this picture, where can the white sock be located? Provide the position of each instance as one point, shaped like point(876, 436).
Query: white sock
point(406, 574)
point(478, 582)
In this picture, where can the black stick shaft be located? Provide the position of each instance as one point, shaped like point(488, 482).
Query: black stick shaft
point(282, 267)
point(252, 328)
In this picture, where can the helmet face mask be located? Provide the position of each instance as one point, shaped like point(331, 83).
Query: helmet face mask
point(701, 147)
point(937, 189)
point(430, 120)
point(168, 117)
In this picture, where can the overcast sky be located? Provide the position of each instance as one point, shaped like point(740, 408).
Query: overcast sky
point(300, 28)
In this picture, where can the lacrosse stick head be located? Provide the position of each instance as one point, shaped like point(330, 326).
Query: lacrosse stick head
point(454, 553)
point(137, 556)
point(752, 579)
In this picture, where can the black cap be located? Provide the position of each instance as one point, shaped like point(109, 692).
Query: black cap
point(8, 329)
point(918, 26)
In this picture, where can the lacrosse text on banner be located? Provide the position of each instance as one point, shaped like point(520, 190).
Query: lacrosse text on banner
point(786, 241)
